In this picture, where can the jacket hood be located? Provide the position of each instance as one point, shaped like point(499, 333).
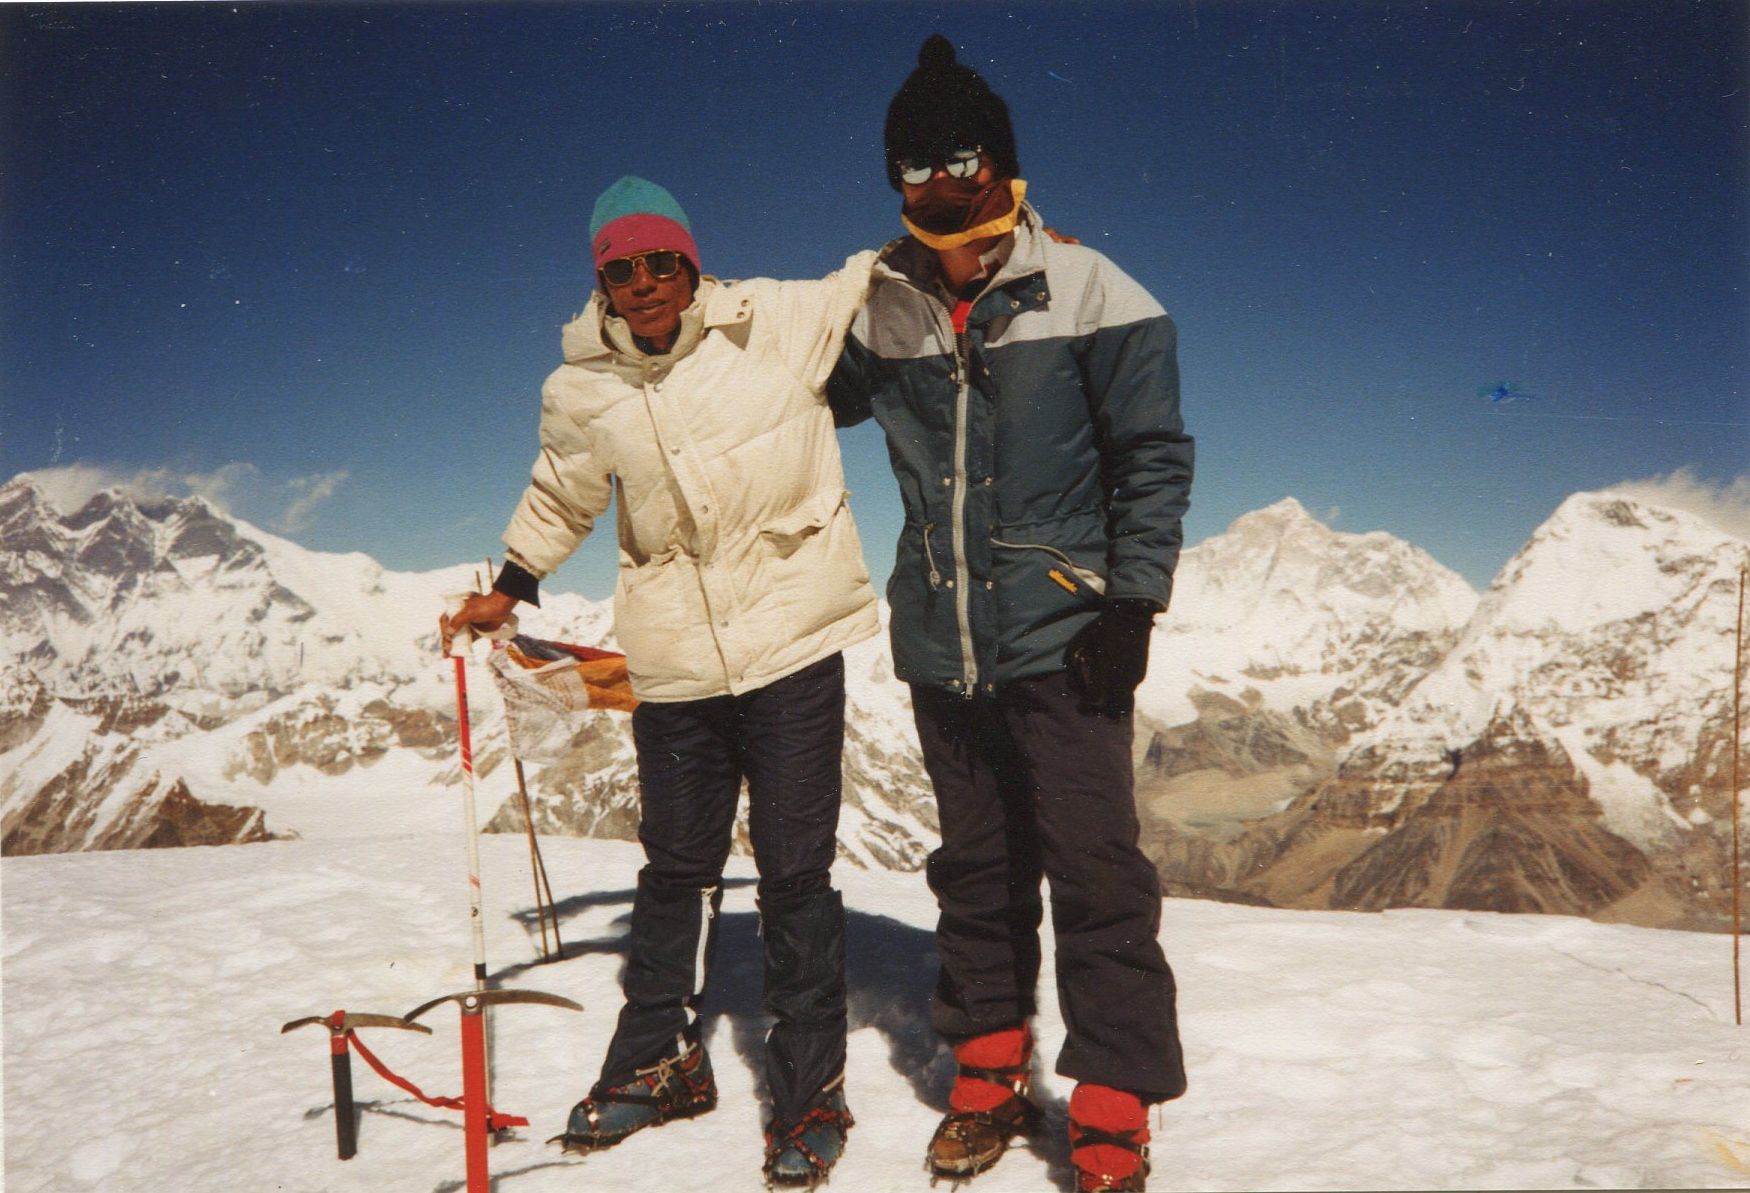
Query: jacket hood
point(594, 336)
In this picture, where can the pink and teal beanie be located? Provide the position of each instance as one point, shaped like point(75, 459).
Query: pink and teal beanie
point(636, 216)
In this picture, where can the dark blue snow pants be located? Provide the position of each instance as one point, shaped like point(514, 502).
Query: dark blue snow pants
point(785, 739)
point(1029, 787)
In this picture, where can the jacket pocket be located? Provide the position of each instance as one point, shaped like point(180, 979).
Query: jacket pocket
point(1069, 575)
point(633, 578)
point(787, 534)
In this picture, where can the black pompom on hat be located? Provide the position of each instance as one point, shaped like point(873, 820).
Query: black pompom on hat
point(944, 106)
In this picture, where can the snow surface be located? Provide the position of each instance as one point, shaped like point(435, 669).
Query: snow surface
point(144, 992)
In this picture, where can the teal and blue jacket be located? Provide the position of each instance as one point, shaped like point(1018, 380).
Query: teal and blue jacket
point(1039, 450)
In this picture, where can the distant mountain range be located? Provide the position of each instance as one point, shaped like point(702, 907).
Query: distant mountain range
point(1330, 720)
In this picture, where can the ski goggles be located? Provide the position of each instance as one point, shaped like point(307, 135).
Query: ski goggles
point(660, 264)
point(960, 163)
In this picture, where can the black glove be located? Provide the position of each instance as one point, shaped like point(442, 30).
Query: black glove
point(1109, 656)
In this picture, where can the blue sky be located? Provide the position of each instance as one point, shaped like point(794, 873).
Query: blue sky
point(314, 259)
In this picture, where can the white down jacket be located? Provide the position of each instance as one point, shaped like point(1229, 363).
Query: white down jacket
point(739, 560)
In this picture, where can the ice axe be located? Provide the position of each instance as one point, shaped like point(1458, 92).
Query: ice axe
point(340, 1025)
point(477, 1116)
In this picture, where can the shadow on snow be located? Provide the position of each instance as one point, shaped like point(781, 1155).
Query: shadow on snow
point(890, 976)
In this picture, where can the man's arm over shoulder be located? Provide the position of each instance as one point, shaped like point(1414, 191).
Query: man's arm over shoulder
point(1131, 369)
point(812, 316)
point(569, 488)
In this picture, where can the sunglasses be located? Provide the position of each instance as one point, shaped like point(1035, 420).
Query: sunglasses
point(961, 163)
point(660, 264)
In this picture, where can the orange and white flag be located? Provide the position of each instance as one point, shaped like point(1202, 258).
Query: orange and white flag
point(549, 687)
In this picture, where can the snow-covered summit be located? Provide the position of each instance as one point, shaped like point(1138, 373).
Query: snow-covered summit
point(1280, 562)
point(146, 595)
point(1282, 604)
point(1610, 632)
point(1605, 557)
point(1410, 1050)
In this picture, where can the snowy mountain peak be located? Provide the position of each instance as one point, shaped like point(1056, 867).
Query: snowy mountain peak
point(1604, 634)
point(1282, 605)
point(21, 497)
point(1280, 567)
point(1278, 520)
point(1603, 557)
point(129, 594)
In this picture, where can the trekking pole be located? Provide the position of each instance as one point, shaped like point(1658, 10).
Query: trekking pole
point(537, 866)
point(1737, 737)
point(545, 908)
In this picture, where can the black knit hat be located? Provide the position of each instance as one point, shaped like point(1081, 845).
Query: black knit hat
point(944, 106)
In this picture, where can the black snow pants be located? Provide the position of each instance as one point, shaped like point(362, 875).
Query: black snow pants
point(786, 740)
point(1027, 785)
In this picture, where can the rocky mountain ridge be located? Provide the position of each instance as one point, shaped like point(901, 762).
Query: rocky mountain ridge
point(1568, 751)
point(1330, 719)
point(302, 689)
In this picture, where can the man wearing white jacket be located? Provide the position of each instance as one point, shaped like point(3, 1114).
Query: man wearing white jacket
point(700, 404)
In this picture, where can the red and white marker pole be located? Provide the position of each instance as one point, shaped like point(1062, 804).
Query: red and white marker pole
point(459, 647)
point(471, 830)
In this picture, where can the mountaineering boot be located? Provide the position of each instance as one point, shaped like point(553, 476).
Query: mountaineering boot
point(988, 1106)
point(674, 1087)
point(804, 1152)
point(1108, 1139)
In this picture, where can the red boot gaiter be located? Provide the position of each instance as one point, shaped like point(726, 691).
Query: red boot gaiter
point(1115, 1112)
point(1011, 1048)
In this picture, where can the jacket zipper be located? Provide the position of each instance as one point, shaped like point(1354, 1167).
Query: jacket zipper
point(962, 572)
point(1087, 576)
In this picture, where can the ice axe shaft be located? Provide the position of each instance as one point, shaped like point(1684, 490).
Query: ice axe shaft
point(474, 1097)
point(345, 1122)
point(476, 1114)
point(471, 829)
point(459, 645)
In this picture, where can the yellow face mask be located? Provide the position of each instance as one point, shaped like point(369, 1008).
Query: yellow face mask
point(994, 227)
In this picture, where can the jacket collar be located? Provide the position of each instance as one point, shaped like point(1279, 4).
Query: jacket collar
point(908, 260)
point(595, 336)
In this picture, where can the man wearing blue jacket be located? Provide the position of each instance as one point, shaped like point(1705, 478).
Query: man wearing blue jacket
point(1029, 392)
